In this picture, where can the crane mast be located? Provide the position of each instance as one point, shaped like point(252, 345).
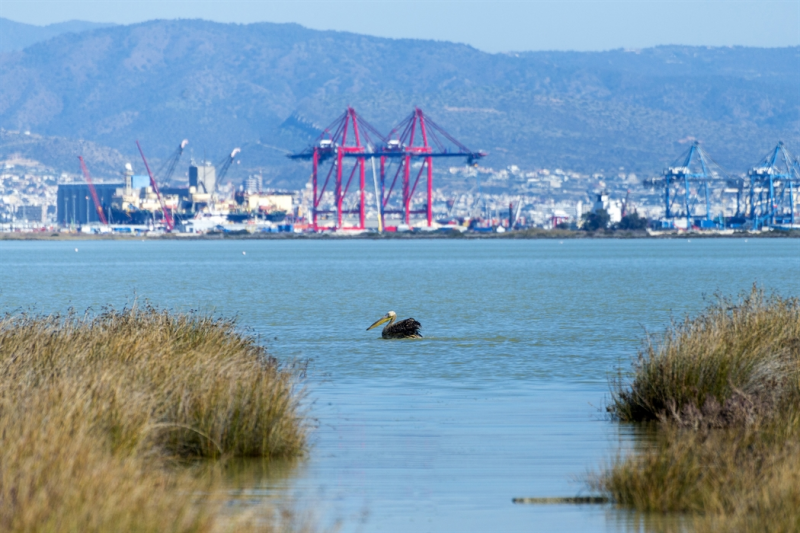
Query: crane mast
point(167, 217)
point(93, 192)
point(626, 204)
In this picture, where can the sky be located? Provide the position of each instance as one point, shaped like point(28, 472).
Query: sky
point(492, 26)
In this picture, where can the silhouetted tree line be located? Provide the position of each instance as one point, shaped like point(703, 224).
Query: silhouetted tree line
point(600, 219)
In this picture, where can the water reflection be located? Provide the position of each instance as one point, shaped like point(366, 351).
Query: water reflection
point(624, 521)
point(260, 476)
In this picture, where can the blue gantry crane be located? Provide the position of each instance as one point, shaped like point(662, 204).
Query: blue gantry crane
point(772, 183)
point(694, 168)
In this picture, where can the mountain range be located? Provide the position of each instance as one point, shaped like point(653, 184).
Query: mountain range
point(268, 88)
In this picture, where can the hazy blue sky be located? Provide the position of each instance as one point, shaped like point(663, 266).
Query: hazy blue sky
point(492, 26)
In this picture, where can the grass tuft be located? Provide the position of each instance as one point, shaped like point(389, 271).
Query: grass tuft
point(724, 391)
point(190, 384)
point(735, 362)
point(95, 410)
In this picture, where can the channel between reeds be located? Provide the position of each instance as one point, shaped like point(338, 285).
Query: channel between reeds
point(723, 390)
point(97, 411)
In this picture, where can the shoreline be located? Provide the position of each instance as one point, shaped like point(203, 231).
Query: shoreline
point(537, 234)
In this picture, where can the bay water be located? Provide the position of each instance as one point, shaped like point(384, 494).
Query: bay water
point(504, 396)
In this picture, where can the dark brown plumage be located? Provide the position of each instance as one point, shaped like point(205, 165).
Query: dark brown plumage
point(405, 329)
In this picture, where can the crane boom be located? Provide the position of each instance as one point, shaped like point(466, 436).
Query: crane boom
point(171, 163)
point(93, 192)
point(225, 165)
point(167, 217)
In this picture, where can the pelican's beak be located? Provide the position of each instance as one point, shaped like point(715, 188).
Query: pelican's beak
point(379, 322)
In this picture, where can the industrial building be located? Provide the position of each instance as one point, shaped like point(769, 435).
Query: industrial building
point(203, 178)
point(74, 205)
point(31, 214)
point(266, 202)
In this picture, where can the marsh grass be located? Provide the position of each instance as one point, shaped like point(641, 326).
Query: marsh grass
point(97, 412)
point(723, 391)
point(732, 479)
point(735, 362)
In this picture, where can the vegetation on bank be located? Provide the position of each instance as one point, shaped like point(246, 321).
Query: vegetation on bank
point(95, 411)
point(723, 390)
point(600, 220)
point(736, 362)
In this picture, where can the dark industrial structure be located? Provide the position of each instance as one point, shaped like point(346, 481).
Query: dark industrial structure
point(74, 204)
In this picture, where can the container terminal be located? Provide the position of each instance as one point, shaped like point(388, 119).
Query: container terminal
point(362, 180)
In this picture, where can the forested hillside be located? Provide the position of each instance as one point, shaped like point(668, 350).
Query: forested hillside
point(265, 87)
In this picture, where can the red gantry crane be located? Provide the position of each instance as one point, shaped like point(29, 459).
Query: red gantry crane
point(167, 217)
point(93, 192)
point(348, 137)
point(417, 137)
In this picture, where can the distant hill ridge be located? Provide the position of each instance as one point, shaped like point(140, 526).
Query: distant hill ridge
point(60, 154)
point(266, 87)
point(18, 35)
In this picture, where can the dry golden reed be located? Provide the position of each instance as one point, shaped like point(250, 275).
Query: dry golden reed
point(724, 389)
point(94, 410)
point(735, 361)
point(729, 479)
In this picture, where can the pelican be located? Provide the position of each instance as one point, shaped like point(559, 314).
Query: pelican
point(405, 329)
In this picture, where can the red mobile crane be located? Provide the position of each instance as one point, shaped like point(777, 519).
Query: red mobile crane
point(626, 204)
point(93, 192)
point(167, 217)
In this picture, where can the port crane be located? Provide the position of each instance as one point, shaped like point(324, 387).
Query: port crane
point(417, 137)
point(168, 168)
point(772, 183)
point(696, 168)
point(347, 137)
point(167, 217)
point(93, 192)
point(225, 165)
point(625, 204)
point(517, 212)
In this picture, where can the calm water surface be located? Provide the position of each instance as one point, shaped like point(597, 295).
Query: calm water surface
point(502, 398)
